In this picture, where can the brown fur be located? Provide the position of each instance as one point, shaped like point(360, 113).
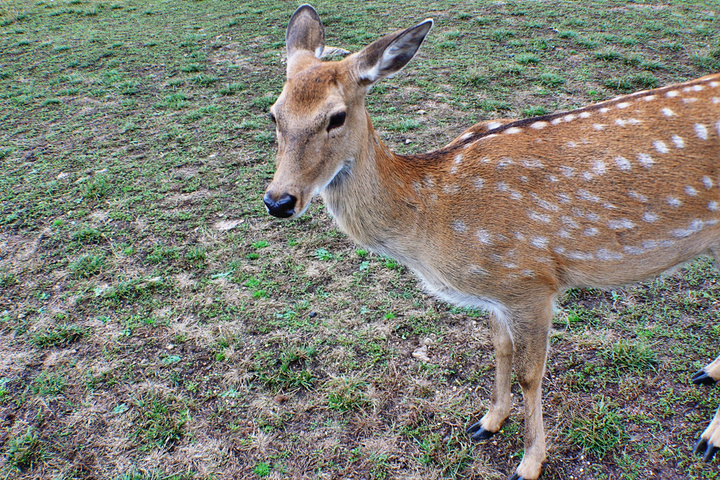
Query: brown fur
point(511, 213)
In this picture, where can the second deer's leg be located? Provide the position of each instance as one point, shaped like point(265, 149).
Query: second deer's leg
point(501, 400)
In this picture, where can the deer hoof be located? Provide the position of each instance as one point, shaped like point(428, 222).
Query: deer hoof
point(705, 449)
point(702, 378)
point(478, 433)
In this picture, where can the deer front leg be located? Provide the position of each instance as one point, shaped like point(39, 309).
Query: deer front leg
point(499, 410)
point(709, 442)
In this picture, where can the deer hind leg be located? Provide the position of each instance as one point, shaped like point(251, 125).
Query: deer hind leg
point(500, 403)
point(531, 355)
point(709, 442)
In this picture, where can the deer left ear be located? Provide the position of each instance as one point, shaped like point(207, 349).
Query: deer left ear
point(388, 55)
point(305, 32)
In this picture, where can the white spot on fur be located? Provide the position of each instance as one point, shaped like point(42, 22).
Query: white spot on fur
point(678, 141)
point(599, 167)
point(563, 197)
point(450, 189)
point(690, 100)
point(691, 191)
point(501, 187)
point(604, 110)
point(567, 171)
point(672, 93)
point(673, 202)
point(588, 176)
point(552, 178)
point(539, 125)
point(538, 217)
point(479, 183)
point(477, 270)
point(649, 98)
point(584, 115)
point(591, 232)
point(465, 136)
point(532, 163)
point(650, 217)
point(622, 163)
point(564, 234)
point(608, 255)
point(578, 255)
point(633, 250)
point(694, 227)
point(458, 159)
point(539, 242)
point(599, 126)
point(717, 126)
point(713, 206)
point(571, 144)
point(483, 236)
point(637, 196)
point(645, 160)
point(585, 195)
point(459, 226)
point(515, 195)
point(568, 222)
point(660, 146)
point(668, 112)
point(621, 224)
point(715, 84)
point(544, 204)
point(505, 162)
point(701, 131)
point(512, 130)
point(556, 121)
point(569, 118)
point(707, 181)
point(494, 125)
point(623, 105)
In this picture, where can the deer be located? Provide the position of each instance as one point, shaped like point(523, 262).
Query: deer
point(511, 213)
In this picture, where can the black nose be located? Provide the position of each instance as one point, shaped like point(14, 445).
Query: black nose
point(283, 208)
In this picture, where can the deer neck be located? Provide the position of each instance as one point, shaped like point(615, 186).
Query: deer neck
point(367, 200)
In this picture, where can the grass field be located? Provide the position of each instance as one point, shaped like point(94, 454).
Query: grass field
point(156, 323)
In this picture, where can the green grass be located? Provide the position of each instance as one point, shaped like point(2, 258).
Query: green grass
point(151, 310)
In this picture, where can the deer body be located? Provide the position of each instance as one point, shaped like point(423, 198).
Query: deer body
point(511, 213)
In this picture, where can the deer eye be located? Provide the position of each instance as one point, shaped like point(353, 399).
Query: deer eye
point(337, 120)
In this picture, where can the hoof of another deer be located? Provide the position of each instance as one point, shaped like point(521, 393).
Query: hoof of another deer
point(702, 378)
point(478, 433)
point(705, 449)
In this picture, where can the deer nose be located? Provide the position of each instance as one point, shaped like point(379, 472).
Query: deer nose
point(284, 207)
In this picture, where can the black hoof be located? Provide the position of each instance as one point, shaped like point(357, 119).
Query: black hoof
point(707, 451)
point(478, 433)
point(702, 378)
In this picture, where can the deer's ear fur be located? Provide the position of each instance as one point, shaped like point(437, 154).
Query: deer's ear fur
point(305, 34)
point(388, 55)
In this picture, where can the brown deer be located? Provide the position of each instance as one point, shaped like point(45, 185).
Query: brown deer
point(511, 213)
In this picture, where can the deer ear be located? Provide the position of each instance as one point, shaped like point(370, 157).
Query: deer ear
point(388, 55)
point(305, 32)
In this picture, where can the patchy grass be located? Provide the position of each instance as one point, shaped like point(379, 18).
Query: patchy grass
point(157, 324)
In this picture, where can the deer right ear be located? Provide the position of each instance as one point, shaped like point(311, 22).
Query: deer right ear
point(387, 56)
point(305, 33)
